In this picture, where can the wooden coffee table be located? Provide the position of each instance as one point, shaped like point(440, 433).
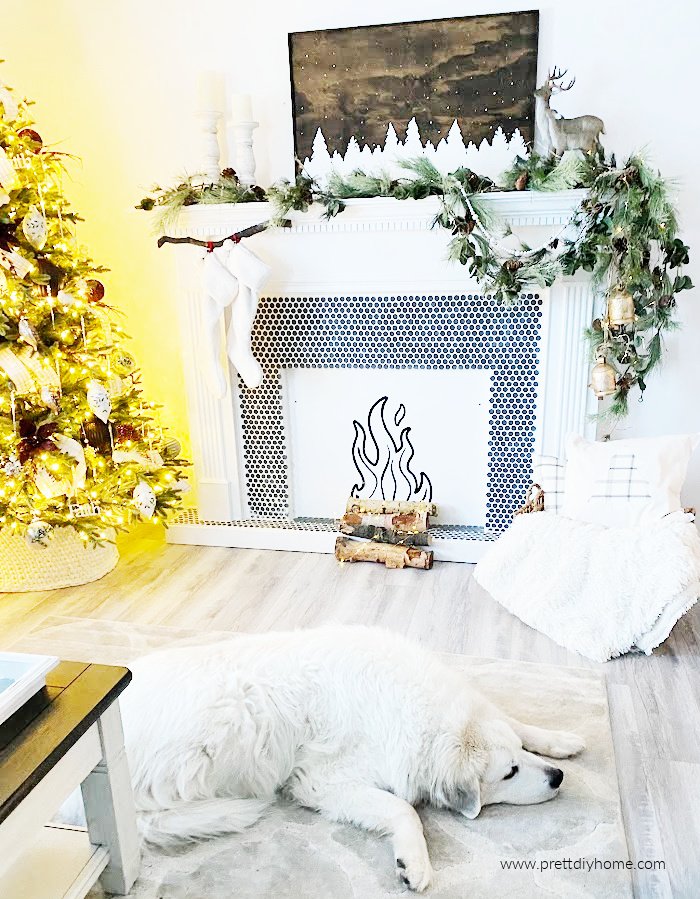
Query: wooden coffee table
point(68, 735)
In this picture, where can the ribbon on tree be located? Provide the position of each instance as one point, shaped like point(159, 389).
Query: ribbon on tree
point(232, 279)
point(9, 103)
point(48, 485)
point(11, 259)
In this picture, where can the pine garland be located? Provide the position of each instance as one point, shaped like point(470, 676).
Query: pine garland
point(624, 233)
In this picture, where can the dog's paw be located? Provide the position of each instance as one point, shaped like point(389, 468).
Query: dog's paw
point(562, 745)
point(414, 870)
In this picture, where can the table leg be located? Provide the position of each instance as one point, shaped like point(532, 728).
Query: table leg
point(109, 806)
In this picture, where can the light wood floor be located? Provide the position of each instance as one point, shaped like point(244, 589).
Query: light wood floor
point(654, 702)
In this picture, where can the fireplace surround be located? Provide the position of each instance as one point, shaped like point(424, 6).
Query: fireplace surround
point(369, 294)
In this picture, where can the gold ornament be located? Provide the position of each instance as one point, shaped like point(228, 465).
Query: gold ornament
point(171, 449)
point(620, 308)
point(603, 378)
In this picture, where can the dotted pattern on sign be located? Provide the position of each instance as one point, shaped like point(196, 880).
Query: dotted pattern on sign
point(467, 331)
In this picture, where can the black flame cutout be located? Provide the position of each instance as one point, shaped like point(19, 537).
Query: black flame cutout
point(383, 461)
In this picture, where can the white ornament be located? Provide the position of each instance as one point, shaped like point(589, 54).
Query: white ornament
point(34, 228)
point(28, 333)
point(145, 499)
point(65, 299)
point(99, 401)
point(37, 532)
point(51, 398)
point(4, 198)
point(12, 467)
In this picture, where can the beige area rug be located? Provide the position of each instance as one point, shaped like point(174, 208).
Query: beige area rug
point(294, 853)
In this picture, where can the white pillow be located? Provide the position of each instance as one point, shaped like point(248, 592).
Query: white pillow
point(625, 482)
point(549, 472)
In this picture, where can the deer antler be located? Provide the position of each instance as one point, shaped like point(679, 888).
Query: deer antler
point(557, 75)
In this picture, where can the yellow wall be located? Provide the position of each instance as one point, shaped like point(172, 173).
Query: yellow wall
point(98, 73)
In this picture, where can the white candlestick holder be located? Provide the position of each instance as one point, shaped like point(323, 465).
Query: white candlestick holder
point(243, 156)
point(209, 121)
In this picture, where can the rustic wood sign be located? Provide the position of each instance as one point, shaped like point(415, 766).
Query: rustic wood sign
point(353, 82)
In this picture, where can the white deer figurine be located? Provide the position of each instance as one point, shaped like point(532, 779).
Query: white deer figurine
point(556, 133)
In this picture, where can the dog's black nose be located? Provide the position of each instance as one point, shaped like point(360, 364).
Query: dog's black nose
point(556, 776)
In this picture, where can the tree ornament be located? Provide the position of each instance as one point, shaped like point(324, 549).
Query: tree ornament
point(37, 532)
point(28, 333)
point(96, 435)
point(125, 363)
point(35, 439)
point(11, 466)
point(51, 398)
point(95, 289)
point(620, 308)
point(33, 139)
point(35, 228)
point(171, 449)
point(603, 378)
point(126, 432)
point(98, 400)
point(144, 499)
point(65, 299)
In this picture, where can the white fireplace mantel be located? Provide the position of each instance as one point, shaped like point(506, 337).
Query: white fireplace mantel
point(375, 248)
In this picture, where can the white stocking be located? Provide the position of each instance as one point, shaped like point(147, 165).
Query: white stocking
point(220, 289)
point(252, 274)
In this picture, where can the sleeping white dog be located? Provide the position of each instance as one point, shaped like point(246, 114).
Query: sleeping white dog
point(355, 722)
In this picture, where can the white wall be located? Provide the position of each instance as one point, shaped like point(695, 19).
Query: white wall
point(116, 82)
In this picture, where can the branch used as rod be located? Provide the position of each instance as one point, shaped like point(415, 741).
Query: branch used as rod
point(211, 244)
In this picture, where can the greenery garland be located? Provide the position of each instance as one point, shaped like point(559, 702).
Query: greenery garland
point(624, 233)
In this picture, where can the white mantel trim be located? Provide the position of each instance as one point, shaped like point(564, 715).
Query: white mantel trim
point(519, 208)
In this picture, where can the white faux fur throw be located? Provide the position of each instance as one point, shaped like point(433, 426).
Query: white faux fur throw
point(596, 590)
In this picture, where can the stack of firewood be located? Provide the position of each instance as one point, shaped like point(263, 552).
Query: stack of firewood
point(395, 533)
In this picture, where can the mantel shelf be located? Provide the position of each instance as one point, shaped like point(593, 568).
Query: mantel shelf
point(520, 208)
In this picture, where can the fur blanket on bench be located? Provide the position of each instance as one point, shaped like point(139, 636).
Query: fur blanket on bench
point(598, 591)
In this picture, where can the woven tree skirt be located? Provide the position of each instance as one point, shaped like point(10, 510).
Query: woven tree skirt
point(65, 561)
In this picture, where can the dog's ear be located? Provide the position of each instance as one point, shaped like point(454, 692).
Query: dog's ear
point(469, 798)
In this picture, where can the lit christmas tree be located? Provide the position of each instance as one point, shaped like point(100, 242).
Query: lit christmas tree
point(79, 445)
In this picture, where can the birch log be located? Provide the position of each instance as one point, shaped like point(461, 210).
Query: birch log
point(382, 534)
point(400, 522)
point(391, 554)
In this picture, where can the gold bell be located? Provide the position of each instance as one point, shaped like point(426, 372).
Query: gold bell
point(620, 308)
point(603, 379)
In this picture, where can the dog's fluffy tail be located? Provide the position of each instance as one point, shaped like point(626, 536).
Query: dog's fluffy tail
point(199, 820)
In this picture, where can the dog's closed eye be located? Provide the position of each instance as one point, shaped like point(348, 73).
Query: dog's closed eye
point(513, 771)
